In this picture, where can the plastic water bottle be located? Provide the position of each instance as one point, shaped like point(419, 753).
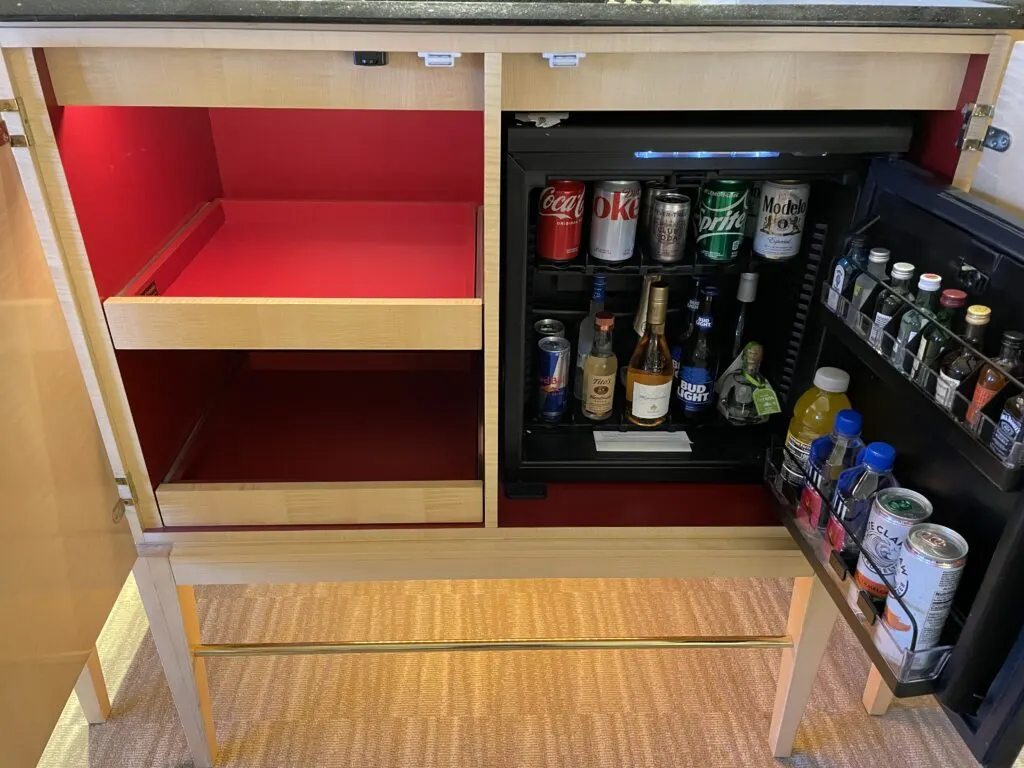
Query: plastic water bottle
point(854, 493)
point(829, 456)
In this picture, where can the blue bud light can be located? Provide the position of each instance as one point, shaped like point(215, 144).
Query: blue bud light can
point(553, 372)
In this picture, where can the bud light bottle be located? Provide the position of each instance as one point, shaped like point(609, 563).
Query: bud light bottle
point(854, 493)
point(829, 456)
point(698, 365)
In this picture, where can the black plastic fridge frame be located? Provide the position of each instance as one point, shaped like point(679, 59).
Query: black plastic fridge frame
point(535, 155)
point(988, 715)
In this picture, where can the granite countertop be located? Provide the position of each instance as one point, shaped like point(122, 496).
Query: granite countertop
point(884, 13)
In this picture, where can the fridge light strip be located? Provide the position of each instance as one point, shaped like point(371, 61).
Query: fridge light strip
point(756, 154)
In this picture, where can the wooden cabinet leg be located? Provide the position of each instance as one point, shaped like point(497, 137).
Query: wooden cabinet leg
point(174, 623)
point(91, 690)
point(877, 696)
point(811, 616)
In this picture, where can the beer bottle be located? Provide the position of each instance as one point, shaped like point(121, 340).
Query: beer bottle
point(699, 363)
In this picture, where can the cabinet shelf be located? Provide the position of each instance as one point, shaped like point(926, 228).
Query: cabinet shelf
point(338, 442)
point(267, 274)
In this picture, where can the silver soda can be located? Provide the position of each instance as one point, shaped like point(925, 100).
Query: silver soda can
point(549, 327)
point(894, 511)
point(781, 214)
point(670, 215)
point(613, 220)
point(927, 575)
point(753, 202)
point(651, 190)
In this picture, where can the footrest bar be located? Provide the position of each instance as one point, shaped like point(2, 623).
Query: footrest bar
point(551, 644)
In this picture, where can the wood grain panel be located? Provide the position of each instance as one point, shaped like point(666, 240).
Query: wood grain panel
point(735, 80)
point(201, 504)
point(140, 322)
point(238, 78)
point(491, 275)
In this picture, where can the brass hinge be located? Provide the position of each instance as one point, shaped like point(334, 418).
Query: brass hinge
point(14, 106)
point(126, 494)
point(977, 133)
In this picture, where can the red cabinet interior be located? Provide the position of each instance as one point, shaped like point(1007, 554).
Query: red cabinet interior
point(140, 175)
point(305, 416)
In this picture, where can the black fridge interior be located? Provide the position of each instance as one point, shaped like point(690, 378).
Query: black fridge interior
point(860, 182)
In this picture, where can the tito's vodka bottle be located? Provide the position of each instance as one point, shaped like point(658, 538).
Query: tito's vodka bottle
point(649, 376)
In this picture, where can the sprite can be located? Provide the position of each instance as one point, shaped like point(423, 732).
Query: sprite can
point(721, 219)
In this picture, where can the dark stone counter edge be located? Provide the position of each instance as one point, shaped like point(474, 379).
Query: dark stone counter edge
point(990, 16)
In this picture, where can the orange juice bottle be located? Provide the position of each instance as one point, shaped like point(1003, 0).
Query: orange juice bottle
point(813, 416)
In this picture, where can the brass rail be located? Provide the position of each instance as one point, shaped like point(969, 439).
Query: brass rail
point(551, 644)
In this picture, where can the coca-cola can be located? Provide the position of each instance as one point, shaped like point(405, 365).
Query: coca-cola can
point(613, 220)
point(560, 223)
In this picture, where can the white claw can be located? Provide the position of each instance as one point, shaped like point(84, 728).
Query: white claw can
point(927, 575)
point(894, 512)
point(781, 216)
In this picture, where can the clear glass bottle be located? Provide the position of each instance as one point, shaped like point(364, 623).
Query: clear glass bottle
point(699, 365)
point(890, 303)
point(737, 400)
point(855, 490)
point(600, 370)
point(913, 323)
point(844, 271)
point(649, 375)
point(829, 456)
point(994, 377)
point(746, 294)
point(586, 336)
point(961, 363)
point(866, 288)
point(937, 336)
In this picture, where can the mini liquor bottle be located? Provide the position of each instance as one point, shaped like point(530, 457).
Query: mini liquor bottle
point(994, 377)
point(649, 375)
point(914, 322)
point(600, 370)
point(938, 337)
point(961, 363)
point(891, 303)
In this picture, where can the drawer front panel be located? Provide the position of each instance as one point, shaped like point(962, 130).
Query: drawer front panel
point(224, 504)
point(757, 80)
point(172, 77)
point(207, 323)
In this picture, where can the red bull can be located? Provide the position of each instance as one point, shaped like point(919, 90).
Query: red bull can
point(553, 372)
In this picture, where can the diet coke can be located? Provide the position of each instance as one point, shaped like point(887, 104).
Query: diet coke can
point(613, 224)
point(560, 220)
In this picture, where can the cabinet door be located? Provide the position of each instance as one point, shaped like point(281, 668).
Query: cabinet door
point(63, 558)
point(975, 668)
point(998, 176)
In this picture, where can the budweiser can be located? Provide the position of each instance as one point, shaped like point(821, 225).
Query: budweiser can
point(894, 512)
point(560, 223)
point(613, 220)
point(927, 575)
point(781, 211)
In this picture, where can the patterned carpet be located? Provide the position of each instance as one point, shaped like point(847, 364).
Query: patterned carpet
point(593, 709)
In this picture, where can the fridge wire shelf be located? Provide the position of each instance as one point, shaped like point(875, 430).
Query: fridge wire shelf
point(902, 359)
point(906, 664)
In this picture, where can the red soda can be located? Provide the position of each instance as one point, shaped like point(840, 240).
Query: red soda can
point(561, 220)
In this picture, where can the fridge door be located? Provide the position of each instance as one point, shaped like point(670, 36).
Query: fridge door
point(979, 249)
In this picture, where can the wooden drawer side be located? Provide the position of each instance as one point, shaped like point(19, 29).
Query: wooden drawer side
point(226, 504)
point(733, 80)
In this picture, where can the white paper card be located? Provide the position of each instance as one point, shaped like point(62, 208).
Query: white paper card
point(642, 442)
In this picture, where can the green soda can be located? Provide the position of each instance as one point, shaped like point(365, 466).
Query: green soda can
point(721, 219)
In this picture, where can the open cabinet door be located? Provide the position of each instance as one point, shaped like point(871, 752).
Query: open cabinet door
point(65, 550)
point(975, 668)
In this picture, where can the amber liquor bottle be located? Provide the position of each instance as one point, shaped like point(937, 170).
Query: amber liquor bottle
point(649, 375)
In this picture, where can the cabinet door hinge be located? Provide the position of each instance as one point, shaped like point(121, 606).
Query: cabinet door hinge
point(977, 132)
point(13, 107)
point(126, 494)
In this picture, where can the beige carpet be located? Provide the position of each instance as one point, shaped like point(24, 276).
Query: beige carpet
point(594, 709)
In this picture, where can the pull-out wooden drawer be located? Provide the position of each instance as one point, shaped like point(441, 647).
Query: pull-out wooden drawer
point(735, 80)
